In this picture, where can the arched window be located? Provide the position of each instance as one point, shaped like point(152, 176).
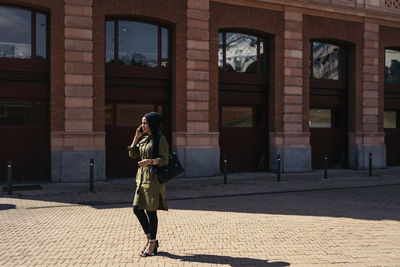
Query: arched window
point(240, 52)
point(136, 43)
point(23, 33)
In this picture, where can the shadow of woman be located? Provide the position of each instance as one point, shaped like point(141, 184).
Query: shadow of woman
point(232, 261)
point(7, 206)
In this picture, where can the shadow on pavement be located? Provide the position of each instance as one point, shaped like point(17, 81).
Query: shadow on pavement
point(372, 203)
point(375, 203)
point(232, 261)
point(7, 206)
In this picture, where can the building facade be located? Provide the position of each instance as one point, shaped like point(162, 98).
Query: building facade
point(249, 80)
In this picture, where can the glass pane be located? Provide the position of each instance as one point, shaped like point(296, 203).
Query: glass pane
point(220, 51)
point(109, 114)
point(15, 32)
point(389, 119)
point(237, 117)
point(41, 35)
point(164, 47)
point(15, 112)
point(320, 118)
point(138, 44)
point(241, 53)
point(110, 41)
point(392, 66)
point(325, 61)
point(132, 114)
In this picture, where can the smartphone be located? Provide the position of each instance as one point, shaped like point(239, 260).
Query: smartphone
point(141, 130)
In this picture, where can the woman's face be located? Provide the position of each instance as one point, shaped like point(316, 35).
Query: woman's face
point(145, 126)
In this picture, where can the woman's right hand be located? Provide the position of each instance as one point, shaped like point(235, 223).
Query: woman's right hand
point(138, 134)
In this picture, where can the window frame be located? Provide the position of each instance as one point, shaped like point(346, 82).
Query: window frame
point(33, 11)
point(159, 25)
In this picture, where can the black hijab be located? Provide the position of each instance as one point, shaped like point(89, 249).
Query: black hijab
point(154, 120)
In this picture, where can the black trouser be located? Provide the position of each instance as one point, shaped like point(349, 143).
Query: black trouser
point(148, 220)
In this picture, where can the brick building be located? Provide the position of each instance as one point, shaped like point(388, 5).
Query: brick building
point(251, 79)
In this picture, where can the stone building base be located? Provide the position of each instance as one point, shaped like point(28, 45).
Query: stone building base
point(73, 166)
point(293, 159)
point(199, 162)
point(359, 157)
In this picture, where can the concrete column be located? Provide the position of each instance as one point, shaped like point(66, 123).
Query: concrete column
point(198, 147)
point(369, 139)
point(72, 148)
point(292, 144)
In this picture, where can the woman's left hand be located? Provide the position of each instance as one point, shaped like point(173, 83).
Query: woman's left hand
point(144, 162)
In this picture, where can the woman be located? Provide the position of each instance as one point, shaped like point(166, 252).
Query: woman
point(151, 147)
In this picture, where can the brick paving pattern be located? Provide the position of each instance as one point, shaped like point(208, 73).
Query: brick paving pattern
point(357, 226)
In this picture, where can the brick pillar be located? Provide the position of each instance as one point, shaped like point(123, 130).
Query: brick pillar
point(78, 143)
point(369, 139)
point(198, 147)
point(292, 144)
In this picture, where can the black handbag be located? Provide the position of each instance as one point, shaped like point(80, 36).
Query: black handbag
point(172, 170)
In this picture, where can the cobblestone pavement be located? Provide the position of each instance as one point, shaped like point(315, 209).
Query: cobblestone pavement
point(342, 227)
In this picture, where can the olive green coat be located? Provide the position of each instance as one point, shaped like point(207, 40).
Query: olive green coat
point(150, 194)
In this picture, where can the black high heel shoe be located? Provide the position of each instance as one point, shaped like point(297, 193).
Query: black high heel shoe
point(154, 252)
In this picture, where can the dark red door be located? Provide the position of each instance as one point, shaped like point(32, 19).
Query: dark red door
point(392, 141)
point(243, 137)
point(24, 119)
point(243, 121)
point(24, 132)
point(328, 129)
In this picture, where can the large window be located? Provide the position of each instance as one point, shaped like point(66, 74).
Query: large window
point(136, 43)
point(392, 66)
point(23, 33)
point(239, 52)
point(327, 61)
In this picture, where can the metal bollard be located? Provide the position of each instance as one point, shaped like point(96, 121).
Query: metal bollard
point(91, 164)
point(326, 166)
point(9, 176)
point(370, 163)
point(225, 169)
point(278, 171)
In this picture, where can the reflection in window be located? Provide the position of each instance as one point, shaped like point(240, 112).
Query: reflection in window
point(237, 116)
point(15, 112)
point(110, 41)
point(239, 52)
point(392, 66)
point(164, 47)
point(15, 32)
point(131, 114)
point(138, 43)
point(391, 119)
point(41, 35)
point(320, 118)
point(325, 61)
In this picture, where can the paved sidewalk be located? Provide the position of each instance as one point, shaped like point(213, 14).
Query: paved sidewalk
point(120, 191)
point(349, 219)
